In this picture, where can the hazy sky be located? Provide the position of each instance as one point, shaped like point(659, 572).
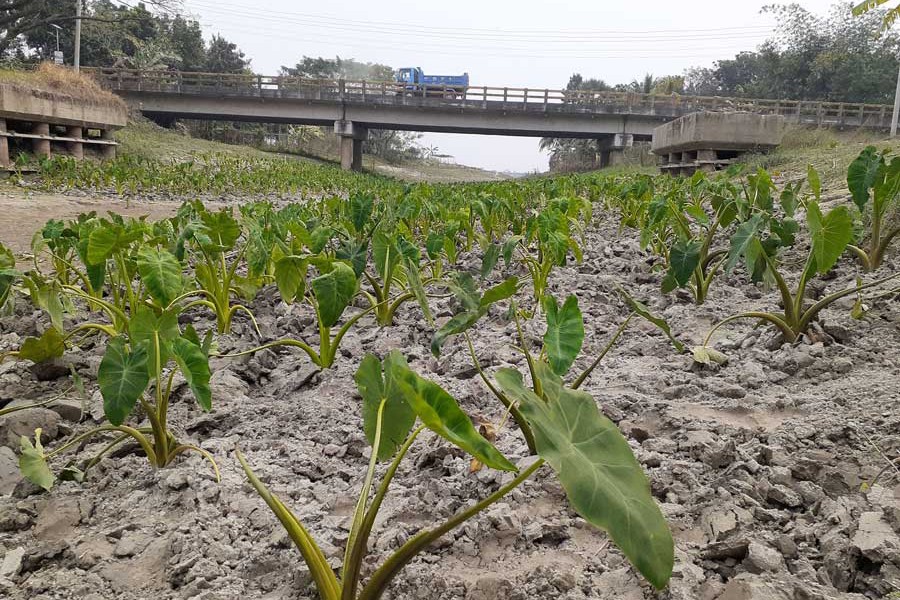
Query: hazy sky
point(523, 43)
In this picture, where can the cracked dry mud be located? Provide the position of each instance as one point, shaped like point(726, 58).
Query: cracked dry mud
point(758, 465)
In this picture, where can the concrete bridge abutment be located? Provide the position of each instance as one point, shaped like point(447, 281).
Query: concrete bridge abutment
point(352, 137)
point(612, 149)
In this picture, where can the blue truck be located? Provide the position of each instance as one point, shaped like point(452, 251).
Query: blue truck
point(416, 83)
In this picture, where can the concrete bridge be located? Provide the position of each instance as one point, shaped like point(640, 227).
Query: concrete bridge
point(354, 107)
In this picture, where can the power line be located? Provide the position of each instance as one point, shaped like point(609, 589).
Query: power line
point(469, 33)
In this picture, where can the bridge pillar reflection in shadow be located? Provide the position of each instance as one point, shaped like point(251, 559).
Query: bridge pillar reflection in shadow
point(352, 137)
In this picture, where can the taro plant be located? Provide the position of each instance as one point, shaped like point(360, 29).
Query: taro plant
point(592, 460)
point(329, 294)
point(759, 247)
point(396, 264)
point(213, 236)
point(139, 368)
point(874, 181)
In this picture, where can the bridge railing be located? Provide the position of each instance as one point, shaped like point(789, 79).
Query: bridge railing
point(474, 97)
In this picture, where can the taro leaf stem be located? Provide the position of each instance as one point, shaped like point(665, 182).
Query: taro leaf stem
point(383, 576)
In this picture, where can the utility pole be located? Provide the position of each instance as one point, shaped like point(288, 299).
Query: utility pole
point(78, 37)
point(896, 107)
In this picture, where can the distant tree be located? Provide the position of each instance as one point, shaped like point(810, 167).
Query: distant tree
point(187, 42)
point(223, 56)
point(832, 58)
point(337, 67)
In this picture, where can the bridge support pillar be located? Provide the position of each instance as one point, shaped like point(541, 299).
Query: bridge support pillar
point(76, 149)
point(4, 145)
point(612, 149)
point(352, 138)
point(41, 145)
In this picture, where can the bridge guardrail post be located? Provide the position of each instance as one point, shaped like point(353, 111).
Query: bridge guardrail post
point(484, 96)
point(259, 85)
point(546, 99)
point(505, 95)
point(525, 100)
point(341, 89)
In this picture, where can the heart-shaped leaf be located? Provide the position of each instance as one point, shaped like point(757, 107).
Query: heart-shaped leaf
point(602, 479)
point(122, 378)
point(565, 333)
point(194, 365)
point(397, 416)
point(829, 235)
point(161, 273)
point(49, 345)
point(684, 257)
point(334, 291)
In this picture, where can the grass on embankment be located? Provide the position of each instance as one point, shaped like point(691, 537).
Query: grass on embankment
point(59, 80)
point(829, 151)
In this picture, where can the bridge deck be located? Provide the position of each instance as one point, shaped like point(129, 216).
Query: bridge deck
point(487, 100)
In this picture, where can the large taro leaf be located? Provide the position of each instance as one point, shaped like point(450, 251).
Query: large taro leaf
point(222, 230)
point(194, 365)
point(122, 378)
point(862, 175)
point(102, 242)
point(361, 206)
point(499, 292)
point(684, 257)
point(160, 271)
point(290, 278)
point(49, 345)
point(146, 327)
point(741, 239)
point(457, 324)
point(829, 235)
point(602, 479)
point(565, 333)
point(386, 254)
point(334, 291)
point(33, 463)
point(397, 417)
point(354, 252)
point(440, 413)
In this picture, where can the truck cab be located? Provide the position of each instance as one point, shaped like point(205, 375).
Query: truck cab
point(414, 82)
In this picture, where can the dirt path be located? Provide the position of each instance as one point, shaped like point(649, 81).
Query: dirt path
point(23, 212)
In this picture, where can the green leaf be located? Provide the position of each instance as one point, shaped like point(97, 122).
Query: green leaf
point(862, 175)
point(602, 479)
point(745, 232)
point(102, 242)
point(49, 345)
point(122, 378)
point(434, 243)
point(33, 463)
point(146, 327)
point(565, 333)
point(440, 413)
point(684, 257)
point(160, 271)
point(222, 229)
point(334, 291)
point(415, 285)
point(290, 278)
point(643, 311)
point(499, 292)
point(194, 365)
point(829, 235)
point(489, 260)
point(457, 324)
point(397, 417)
point(386, 255)
point(815, 183)
point(356, 253)
point(360, 211)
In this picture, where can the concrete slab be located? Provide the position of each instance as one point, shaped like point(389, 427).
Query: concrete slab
point(718, 131)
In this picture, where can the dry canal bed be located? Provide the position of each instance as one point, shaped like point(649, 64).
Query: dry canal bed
point(760, 466)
